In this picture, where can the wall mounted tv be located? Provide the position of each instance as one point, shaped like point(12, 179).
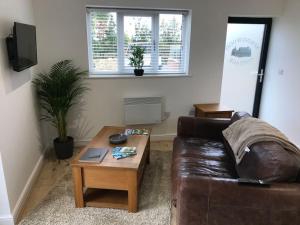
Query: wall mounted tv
point(21, 47)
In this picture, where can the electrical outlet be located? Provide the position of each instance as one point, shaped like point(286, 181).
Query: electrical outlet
point(281, 72)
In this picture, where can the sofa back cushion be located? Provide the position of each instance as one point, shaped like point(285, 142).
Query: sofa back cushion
point(270, 162)
point(236, 116)
point(266, 160)
point(239, 115)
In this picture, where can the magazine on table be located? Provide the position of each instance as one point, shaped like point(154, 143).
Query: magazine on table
point(136, 131)
point(123, 152)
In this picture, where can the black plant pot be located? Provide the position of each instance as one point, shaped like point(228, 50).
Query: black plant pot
point(64, 150)
point(138, 72)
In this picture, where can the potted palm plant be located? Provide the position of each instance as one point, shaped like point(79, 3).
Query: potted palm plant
point(58, 91)
point(136, 60)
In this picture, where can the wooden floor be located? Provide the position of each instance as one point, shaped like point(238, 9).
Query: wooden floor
point(54, 170)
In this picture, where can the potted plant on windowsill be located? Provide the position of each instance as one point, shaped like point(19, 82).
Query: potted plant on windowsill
point(137, 60)
point(58, 91)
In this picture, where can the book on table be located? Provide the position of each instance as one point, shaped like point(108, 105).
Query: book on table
point(123, 152)
point(93, 155)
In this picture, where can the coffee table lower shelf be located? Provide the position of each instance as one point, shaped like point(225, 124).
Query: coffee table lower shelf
point(102, 198)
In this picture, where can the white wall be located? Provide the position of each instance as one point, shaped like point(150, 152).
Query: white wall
point(61, 28)
point(5, 215)
point(19, 137)
point(280, 103)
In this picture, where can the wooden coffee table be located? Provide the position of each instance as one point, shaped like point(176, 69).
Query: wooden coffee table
point(112, 183)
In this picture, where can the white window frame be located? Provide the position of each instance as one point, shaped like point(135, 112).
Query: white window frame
point(154, 13)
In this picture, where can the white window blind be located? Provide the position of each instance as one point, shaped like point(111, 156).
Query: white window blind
point(170, 43)
point(103, 41)
point(112, 32)
point(138, 31)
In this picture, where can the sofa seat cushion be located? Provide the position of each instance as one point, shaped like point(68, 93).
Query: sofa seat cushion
point(200, 157)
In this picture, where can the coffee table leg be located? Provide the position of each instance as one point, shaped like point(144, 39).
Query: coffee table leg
point(78, 188)
point(148, 152)
point(132, 192)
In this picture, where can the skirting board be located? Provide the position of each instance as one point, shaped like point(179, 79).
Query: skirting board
point(153, 137)
point(7, 220)
point(28, 186)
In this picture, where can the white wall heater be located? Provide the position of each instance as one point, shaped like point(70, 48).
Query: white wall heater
point(147, 110)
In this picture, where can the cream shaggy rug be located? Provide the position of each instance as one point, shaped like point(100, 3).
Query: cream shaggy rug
point(154, 203)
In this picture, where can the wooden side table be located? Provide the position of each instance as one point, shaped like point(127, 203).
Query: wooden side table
point(213, 111)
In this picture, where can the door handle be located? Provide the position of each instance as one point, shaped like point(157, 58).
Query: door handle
point(261, 75)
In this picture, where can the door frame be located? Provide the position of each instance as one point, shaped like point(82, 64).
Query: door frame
point(263, 56)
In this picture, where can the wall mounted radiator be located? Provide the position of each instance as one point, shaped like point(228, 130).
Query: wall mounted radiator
point(147, 110)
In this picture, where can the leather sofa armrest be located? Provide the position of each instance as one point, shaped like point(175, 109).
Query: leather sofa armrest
point(209, 128)
point(208, 200)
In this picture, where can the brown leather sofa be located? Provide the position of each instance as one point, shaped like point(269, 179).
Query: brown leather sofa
point(205, 187)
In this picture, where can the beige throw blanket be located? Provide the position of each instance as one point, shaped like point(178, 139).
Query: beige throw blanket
point(247, 131)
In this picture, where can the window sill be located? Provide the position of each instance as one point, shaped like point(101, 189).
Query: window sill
point(131, 76)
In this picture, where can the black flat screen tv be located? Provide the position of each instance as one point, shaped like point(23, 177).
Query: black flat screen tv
point(21, 47)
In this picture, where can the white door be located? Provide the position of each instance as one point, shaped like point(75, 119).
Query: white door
point(244, 64)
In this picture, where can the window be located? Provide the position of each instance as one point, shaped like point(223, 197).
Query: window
point(163, 34)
